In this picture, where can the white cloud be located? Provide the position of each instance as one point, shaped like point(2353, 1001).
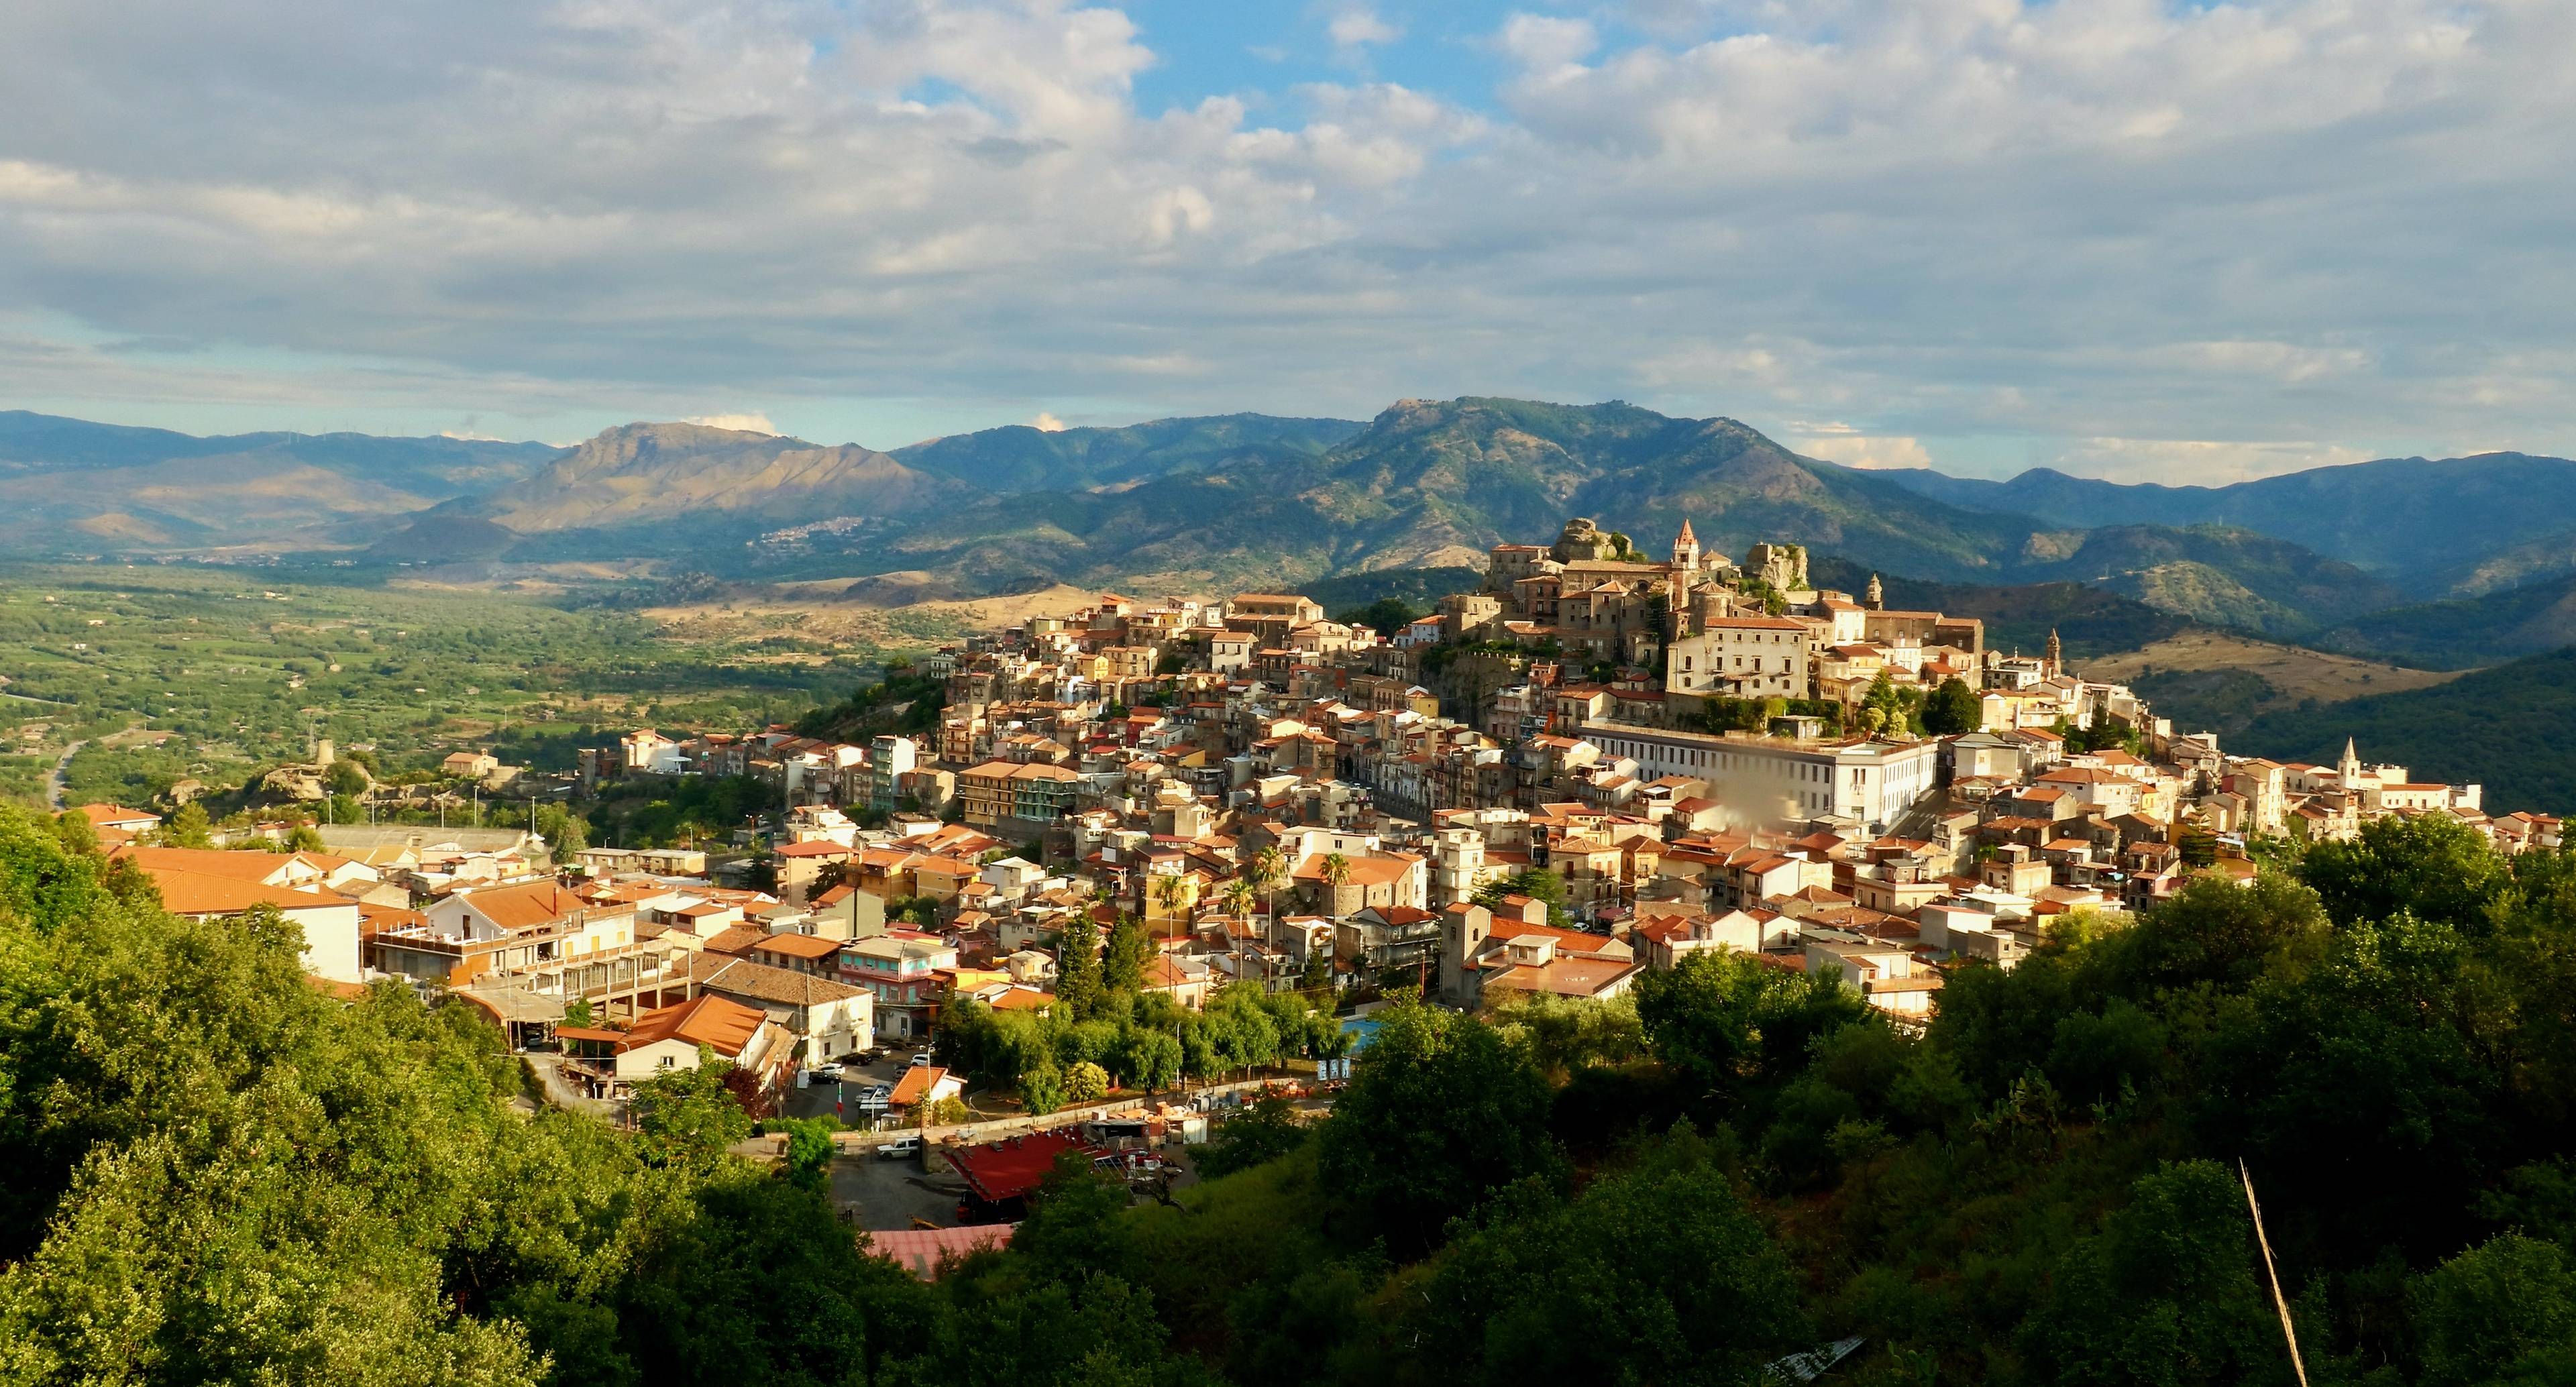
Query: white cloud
point(1359, 27)
point(2198, 462)
point(1854, 449)
point(745, 423)
point(2304, 224)
point(1548, 43)
point(1047, 423)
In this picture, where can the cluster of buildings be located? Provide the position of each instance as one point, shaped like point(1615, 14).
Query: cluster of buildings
point(1284, 799)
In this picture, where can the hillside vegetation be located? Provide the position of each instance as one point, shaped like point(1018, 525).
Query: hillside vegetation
point(1731, 1164)
point(2507, 728)
point(2469, 631)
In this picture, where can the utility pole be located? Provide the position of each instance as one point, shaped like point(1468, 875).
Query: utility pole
point(2273, 1273)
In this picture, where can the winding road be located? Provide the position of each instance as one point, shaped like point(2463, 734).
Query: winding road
point(58, 789)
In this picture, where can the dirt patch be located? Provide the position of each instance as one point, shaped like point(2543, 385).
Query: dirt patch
point(820, 612)
point(2292, 674)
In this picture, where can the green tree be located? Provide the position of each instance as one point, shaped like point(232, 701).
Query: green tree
point(808, 1163)
point(1124, 958)
point(76, 833)
point(1042, 1089)
point(1952, 708)
point(1078, 971)
point(1262, 1131)
point(1439, 1115)
point(305, 838)
point(1543, 884)
point(688, 1117)
point(1685, 1285)
point(2504, 1311)
point(2428, 864)
point(1388, 616)
point(1731, 1023)
point(2166, 1293)
point(1317, 979)
point(189, 828)
point(565, 833)
point(1148, 1059)
point(1268, 871)
point(346, 778)
point(1086, 1083)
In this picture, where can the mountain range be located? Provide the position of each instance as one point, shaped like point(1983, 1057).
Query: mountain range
point(2451, 561)
point(2457, 526)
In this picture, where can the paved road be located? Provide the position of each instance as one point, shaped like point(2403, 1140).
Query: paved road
point(59, 788)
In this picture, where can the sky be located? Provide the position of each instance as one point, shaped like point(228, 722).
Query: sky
point(2123, 238)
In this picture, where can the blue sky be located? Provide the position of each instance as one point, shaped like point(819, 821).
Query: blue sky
point(2121, 237)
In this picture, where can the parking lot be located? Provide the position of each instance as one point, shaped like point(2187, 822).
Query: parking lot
point(869, 1192)
point(819, 1100)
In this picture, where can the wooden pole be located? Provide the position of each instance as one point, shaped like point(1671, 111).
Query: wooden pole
point(2272, 1273)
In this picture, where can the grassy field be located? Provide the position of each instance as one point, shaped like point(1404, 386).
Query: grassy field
point(2209, 680)
point(220, 672)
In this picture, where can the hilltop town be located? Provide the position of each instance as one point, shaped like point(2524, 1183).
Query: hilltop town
point(1594, 764)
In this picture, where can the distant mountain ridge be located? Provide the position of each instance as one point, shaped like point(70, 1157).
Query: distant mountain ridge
point(1256, 499)
point(659, 473)
point(70, 484)
point(2432, 519)
point(1020, 457)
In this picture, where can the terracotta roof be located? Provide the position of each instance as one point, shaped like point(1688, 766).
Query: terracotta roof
point(810, 946)
point(1022, 999)
point(741, 976)
point(107, 815)
point(720, 1023)
point(923, 1251)
point(917, 1083)
point(736, 939)
point(338, 991)
point(519, 907)
point(820, 847)
point(1366, 869)
point(202, 893)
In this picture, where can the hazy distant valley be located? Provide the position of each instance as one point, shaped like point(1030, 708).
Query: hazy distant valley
point(888, 546)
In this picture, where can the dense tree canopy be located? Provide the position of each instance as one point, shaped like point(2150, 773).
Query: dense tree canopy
point(218, 1172)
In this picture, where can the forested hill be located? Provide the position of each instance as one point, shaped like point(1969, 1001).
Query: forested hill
point(219, 1173)
point(2506, 728)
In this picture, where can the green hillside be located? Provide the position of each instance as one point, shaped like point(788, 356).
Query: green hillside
point(2090, 620)
point(2512, 728)
point(2224, 577)
point(2471, 631)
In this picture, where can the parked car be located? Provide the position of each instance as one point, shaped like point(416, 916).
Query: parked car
point(900, 1148)
point(921, 1060)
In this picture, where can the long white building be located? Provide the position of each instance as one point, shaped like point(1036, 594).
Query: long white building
point(1867, 783)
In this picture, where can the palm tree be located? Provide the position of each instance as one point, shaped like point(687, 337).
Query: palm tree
point(1337, 874)
point(1170, 892)
point(1269, 868)
point(1237, 898)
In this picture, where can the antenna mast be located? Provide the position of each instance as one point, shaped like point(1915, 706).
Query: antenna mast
point(2272, 1272)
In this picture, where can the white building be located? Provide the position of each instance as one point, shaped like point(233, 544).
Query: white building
point(1870, 784)
point(1740, 657)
